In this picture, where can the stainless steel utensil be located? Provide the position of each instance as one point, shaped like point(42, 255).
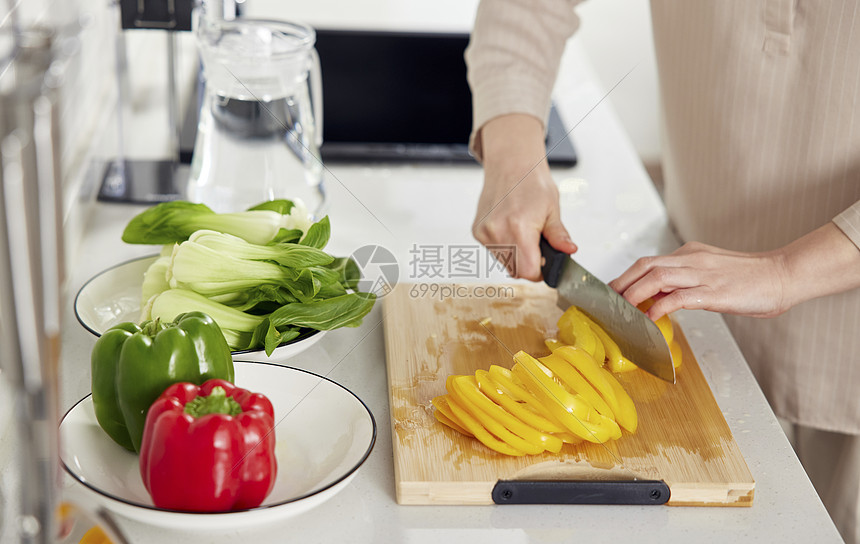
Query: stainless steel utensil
point(31, 286)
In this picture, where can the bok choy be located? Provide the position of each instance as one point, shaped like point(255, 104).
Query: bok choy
point(175, 221)
point(264, 279)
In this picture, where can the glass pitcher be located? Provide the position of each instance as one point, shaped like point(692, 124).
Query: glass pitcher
point(260, 124)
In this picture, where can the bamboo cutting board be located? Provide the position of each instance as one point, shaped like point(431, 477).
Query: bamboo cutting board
point(432, 331)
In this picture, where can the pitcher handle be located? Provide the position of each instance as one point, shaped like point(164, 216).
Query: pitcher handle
point(315, 82)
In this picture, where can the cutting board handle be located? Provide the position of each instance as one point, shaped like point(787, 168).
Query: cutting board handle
point(580, 492)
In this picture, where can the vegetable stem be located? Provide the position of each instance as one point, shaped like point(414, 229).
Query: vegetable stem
point(216, 403)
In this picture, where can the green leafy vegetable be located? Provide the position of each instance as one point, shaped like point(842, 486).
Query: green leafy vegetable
point(317, 234)
point(265, 279)
point(283, 207)
point(155, 279)
point(343, 311)
point(285, 254)
point(238, 327)
point(171, 222)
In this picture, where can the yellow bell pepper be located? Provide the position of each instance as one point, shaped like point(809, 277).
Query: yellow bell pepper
point(538, 405)
point(613, 352)
point(665, 326)
point(591, 371)
point(498, 430)
point(625, 415)
point(466, 387)
point(478, 431)
point(444, 414)
point(624, 365)
point(664, 323)
point(575, 382)
point(570, 333)
point(552, 344)
point(507, 380)
point(571, 410)
point(517, 406)
point(578, 316)
point(569, 438)
point(573, 330)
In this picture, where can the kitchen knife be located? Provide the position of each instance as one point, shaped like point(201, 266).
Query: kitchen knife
point(638, 337)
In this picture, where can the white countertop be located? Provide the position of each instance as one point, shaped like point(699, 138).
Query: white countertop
point(615, 216)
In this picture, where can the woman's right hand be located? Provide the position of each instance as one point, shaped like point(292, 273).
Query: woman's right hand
point(519, 201)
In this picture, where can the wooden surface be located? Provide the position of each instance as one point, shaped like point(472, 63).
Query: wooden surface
point(682, 437)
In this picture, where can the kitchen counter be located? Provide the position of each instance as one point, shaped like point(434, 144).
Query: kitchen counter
point(615, 215)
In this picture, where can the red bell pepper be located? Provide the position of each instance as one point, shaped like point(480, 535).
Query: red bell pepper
point(209, 448)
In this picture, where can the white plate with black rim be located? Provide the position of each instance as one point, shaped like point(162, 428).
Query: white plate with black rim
point(312, 414)
point(113, 296)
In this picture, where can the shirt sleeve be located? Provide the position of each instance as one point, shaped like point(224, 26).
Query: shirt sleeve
point(513, 58)
point(848, 222)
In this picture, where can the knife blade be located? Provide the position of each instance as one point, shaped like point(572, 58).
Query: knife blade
point(638, 337)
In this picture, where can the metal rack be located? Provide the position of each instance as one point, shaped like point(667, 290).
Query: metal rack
point(33, 64)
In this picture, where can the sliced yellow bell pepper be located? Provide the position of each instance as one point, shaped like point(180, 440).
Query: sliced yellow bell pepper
point(578, 316)
point(466, 387)
point(664, 323)
point(505, 398)
point(538, 405)
point(613, 352)
point(569, 438)
point(444, 414)
point(553, 344)
point(497, 429)
point(624, 365)
point(505, 378)
point(576, 383)
point(626, 415)
point(574, 331)
point(591, 371)
point(478, 431)
point(533, 372)
point(570, 410)
point(665, 326)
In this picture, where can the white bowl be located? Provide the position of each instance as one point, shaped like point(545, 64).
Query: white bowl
point(113, 296)
point(313, 414)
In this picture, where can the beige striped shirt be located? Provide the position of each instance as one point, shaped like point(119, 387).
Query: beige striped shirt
point(761, 139)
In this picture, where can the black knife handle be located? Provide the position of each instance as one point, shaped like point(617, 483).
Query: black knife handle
point(553, 262)
point(580, 492)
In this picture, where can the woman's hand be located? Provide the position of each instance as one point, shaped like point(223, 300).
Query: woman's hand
point(519, 201)
point(702, 277)
point(699, 276)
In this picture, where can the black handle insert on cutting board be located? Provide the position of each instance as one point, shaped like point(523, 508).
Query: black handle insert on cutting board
point(580, 492)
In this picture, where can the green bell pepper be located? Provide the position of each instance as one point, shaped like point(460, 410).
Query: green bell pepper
point(133, 364)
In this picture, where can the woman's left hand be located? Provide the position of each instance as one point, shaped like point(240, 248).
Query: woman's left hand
point(702, 277)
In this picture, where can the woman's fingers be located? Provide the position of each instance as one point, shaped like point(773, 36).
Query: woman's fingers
point(556, 234)
point(662, 280)
point(511, 222)
point(695, 298)
point(513, 240)
point(698, 276)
